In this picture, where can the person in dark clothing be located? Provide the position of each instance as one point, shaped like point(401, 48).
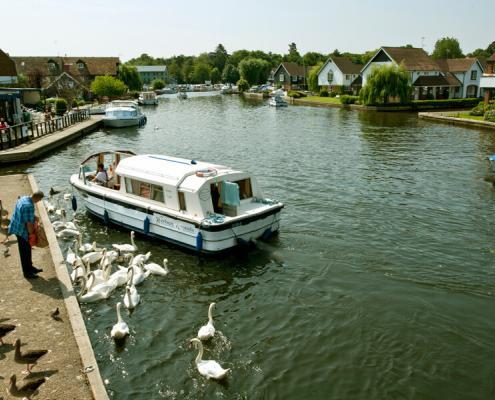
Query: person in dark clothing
point(22, 225)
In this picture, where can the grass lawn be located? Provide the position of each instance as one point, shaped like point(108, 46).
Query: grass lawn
point(318, 99)
point(466, 116)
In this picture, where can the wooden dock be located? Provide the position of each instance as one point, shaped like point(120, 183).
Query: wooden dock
point(70, 365)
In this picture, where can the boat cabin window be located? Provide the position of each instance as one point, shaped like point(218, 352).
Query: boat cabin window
point(245, 190)
point(144, 189)
point(182, 201)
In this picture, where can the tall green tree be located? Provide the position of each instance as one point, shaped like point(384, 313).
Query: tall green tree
point(201, 72)
point(312, 58)
point(215, 75)
point(313, 77)
point(237, 56)
point(447, 47)
point(130, 76)
point(384, 82)
point(219, 57)
point(143, 59)
point(108, 86)
point(254, 70)
point(293, 55)
point(482, 53)
point(230, 74)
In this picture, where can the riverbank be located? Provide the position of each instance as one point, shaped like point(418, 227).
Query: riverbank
point(40, 146)
point(70, 366)
point(456, 118)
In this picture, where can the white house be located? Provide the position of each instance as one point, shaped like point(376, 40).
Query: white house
point(468, 71)
point(425, 74)
point(487, 82)
point(339, 71)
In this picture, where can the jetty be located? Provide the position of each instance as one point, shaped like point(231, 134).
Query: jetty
point(70, 366)
point(32, 141)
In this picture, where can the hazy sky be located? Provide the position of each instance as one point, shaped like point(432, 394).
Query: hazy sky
point(164, 28)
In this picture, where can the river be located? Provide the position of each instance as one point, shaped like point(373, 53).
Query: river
point(380, 284)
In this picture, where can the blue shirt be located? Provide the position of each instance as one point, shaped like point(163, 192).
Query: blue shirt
point(23, 213)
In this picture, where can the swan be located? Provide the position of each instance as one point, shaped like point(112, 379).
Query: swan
point(101, 275)
point(207, 331)
point(131, 297)
point(92, 257)
point(208, 368)
point(101, 291)
point(119, 278)
point(67, 233)
point(137, 275)
point(67, 196)
point(120, 330)
point(50, 208)
point(58, 225)
point(77, 272)
point(71, 254)
point(141, 258)
point(86, 247)
point(126, 248)
point(155, 269)
point(109, 258)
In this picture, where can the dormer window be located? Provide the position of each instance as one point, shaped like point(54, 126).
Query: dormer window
point(80, 65)
point(52, 66)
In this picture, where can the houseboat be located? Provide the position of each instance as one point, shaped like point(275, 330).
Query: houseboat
point(122, 113)
point(148, 99)
point(201, 206)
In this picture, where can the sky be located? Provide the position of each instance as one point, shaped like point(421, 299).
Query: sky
point(126, 28)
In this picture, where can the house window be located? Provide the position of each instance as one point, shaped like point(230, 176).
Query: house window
point(294, 78)
point(330, 76)
point(474, 75)
point(80, 65)
point(347, 77)
point(52, 66)
point(281, 77)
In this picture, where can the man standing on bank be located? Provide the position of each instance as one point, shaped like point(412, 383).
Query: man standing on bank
point(22, 225)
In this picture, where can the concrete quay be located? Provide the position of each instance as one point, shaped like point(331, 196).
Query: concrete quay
point(70, 365)
point(449, 118)
point(40, 146)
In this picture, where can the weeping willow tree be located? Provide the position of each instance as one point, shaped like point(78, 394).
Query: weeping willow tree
point(385, 82)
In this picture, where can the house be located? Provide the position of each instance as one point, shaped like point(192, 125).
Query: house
point(340, 71)
point(8, 73)
point(291, 76)
point(468, 71)
point(427, 79)
point(149, 73)
point(42, 72)
point(487, 81)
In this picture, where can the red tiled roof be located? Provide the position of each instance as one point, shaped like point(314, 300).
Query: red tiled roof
point(413, 59)
point(7, 65)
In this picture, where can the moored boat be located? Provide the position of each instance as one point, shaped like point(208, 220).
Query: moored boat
point(148, 99)
point(181, 95)
point(277, 101)
point(122, 113)
point(198, 205)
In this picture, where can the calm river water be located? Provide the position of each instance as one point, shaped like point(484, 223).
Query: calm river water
point(380, 285)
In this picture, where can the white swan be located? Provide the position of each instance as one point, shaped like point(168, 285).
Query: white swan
point(208, 368)
point(155, 269)
point(119, 278)
point(67, 196)
point(92, 257)
point(137, 275)
point(86, 247)
point(109, 258)
point(141, 258)
point(68, 233)
point(131, 297)
point(77, 272)
point(88, 296)
point(126, 248)
point(120, 330)
point(207, 331)
point(50, 208)
point(72, 255)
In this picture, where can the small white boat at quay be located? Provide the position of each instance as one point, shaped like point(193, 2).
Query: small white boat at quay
point(277, 101)
point(122, 113)
point(182, 95)
point(201, 206)
point(148, 99)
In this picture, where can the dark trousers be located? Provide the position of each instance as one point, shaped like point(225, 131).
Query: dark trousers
point(25, 253)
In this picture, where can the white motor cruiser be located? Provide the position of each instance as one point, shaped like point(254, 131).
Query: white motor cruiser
point(201, 206)
point(122, 113)
point(148, 99)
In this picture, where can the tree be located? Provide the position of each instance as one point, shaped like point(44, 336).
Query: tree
point(238, 56)
point(491, 48)
point(242, 85)
point(312, 58)
point(201, 72)
point(230, 74)
point(447, 47)
point(384, 82)
point(313, 77)
point(479, 53)
point(143, 59)
point(254, 70)
point(215, 75)
point(35, 78)
point(130, 76)
point(108, 86)
point(157, 84)
point(293, 55)
point(219, 57)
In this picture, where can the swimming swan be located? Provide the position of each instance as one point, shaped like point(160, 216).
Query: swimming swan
point(120, 330)
point(207, 331)
point(126, 248)
point(155, 269)
point(208, 368)
point(131, 297)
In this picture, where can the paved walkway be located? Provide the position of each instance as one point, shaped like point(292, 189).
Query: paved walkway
point(27, 303)
point(449, 117)
point(37, 147)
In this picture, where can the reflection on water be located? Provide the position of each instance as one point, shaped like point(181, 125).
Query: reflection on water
point(380, 284)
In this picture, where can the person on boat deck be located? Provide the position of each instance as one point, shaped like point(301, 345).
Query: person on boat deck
point(22, 225)
point(101, 177)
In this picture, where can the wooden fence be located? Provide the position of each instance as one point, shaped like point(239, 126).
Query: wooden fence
point(22, 133)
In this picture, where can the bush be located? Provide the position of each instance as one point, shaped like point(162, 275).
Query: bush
point(490, 116)
point(60, 106)
point(134, 94)
point(478, 111)
point(348, 99)
point(332, 94)
point(242, 85)
point(108, 86)
point(296, 94)
point(157, 84)
point(323, 92)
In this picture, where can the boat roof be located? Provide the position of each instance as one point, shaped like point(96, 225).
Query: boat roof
point(171, 171)
point(120, 108)
point(123, 103)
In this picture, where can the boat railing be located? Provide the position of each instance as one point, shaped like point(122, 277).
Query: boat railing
point(18, 134)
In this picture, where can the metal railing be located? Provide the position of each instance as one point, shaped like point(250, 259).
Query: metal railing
point(22, 133)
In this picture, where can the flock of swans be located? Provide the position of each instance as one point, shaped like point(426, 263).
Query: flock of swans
point(99, 283)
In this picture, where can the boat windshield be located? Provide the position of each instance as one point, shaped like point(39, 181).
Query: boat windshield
point(110, 160)
point(122, 113)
